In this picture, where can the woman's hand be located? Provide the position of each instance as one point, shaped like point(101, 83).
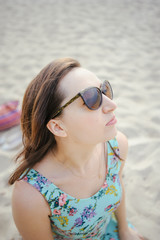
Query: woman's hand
point(130, 234)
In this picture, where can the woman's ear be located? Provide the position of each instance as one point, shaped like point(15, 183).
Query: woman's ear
point(57, 128)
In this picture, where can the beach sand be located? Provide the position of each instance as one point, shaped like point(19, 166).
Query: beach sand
point(119, 41)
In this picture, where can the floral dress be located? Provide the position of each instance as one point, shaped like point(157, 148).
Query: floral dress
point(89, 218)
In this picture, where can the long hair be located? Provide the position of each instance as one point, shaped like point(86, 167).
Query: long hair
point(41, 101)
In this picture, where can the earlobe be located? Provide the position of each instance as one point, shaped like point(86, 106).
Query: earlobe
point(56, 127)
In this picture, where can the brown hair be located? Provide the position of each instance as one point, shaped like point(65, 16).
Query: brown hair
point(41, 101)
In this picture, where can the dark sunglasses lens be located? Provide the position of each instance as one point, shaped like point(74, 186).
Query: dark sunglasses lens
point(107, 89)
point(92, 98)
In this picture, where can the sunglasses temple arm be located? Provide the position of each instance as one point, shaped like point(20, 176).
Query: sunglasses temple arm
point(69, 102)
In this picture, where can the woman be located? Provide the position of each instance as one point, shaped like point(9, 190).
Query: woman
point(67, 185)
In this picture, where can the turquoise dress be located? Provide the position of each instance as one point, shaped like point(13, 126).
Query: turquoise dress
point(89, 218)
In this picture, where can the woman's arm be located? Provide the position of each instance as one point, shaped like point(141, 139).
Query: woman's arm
point(121, 210)
point(31, 212)
point(125, 233)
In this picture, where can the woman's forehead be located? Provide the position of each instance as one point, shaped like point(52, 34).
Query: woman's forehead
point(77, 80)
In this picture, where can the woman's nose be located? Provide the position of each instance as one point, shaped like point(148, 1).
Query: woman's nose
point(108, 104)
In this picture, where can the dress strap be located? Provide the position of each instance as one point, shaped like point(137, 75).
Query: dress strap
point(114, 161)
point(41, 183)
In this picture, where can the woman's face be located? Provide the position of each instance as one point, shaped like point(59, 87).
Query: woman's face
point(83, 125)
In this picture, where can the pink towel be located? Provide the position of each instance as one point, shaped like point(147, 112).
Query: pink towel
point(9, 115)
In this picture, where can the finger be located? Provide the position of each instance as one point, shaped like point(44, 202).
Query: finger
point(142, 238)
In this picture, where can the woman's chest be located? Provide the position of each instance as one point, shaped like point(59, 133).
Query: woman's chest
point(107, 193)
point(72, 216)
point(83, 187)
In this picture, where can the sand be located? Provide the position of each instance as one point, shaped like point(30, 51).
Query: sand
point(118, 40)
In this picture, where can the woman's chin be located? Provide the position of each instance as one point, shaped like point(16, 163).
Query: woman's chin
point(111, 134)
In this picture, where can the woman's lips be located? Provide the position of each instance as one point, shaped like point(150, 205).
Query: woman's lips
point(112, 121)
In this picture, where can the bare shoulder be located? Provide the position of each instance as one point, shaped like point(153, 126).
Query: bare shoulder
point(30, 212)
point(122, 144)
point(26, 195)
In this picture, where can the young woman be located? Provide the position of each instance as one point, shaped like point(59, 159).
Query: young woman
point(69, 181)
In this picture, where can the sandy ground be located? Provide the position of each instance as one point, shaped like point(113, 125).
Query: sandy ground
point(118, 40)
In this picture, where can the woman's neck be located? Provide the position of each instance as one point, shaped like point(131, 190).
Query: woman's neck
point(78, 158)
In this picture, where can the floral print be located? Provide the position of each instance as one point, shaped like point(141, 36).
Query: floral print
point(62, 199)
point(90, 218)
point(87, 214)
point(72, 211)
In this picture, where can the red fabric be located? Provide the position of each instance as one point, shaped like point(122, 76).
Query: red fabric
point(9, 115)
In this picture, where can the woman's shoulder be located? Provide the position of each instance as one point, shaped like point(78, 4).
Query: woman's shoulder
point(26, 198)
point(30, 212)
point(122, 142)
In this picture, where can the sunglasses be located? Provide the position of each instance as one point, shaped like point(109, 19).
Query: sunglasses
point(91, 96)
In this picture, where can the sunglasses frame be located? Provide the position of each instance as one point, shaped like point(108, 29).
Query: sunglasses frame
point(80, 94)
